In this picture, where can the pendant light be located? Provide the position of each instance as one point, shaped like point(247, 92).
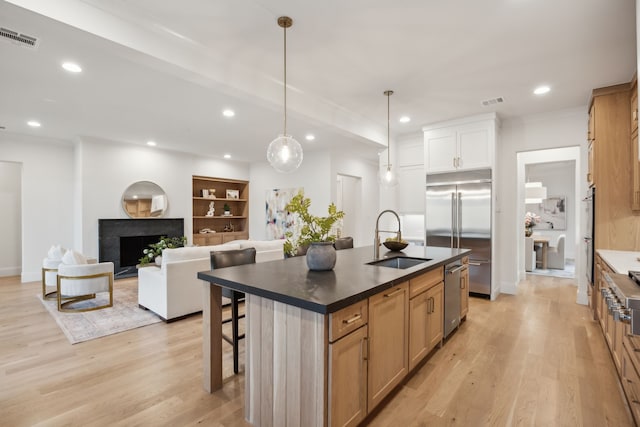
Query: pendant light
point(284, 152)
point(388, 178)
point(534, 192)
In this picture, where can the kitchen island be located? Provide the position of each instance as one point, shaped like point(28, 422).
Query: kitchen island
point(324, 348)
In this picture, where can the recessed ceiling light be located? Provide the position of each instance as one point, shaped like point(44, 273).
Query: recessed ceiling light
point(405, 119)
point(227, 156)
point(72, 67)
point(151, 143)
point(34, 124)
point(309, 137)
point(228, 113)
point(541, 90)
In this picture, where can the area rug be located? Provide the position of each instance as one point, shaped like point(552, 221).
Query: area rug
point(568, 272)
point(123, 316)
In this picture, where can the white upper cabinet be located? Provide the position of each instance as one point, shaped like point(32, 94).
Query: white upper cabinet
point(460, 144)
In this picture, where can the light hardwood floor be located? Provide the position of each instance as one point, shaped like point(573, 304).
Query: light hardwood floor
point(532, 359)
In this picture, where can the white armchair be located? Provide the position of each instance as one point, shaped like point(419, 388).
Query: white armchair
point(529, 254)
point(555, 254)
point(80, 282)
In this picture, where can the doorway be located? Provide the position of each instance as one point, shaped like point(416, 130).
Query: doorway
point(555, 214)
point(541, 163)
point(10, 218)
point(349, 200)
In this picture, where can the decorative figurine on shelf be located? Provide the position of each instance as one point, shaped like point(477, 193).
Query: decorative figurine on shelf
point(212, 193)
point(211, 209)
point(227, 210)
point(228, 227)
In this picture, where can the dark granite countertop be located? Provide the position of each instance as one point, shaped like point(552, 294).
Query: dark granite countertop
point(352, 280)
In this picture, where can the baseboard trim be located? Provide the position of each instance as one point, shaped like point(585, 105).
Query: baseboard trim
point(31, 277)
point(9, 271)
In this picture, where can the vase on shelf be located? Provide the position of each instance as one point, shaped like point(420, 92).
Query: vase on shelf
point(528, 231)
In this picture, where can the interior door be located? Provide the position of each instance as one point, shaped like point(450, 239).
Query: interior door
point(349, 200)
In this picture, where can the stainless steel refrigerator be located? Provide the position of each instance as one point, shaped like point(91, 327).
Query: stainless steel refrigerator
point(458, 215)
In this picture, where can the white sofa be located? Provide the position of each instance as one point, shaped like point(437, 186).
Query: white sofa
point(173, 290)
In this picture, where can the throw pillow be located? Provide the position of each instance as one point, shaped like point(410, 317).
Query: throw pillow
point(73, 258)
point(56, 252)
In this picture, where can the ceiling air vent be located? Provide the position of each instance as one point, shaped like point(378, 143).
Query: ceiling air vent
point(17, 38)
point(492, 101)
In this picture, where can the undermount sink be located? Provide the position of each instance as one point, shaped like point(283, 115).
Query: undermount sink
point(399, 262)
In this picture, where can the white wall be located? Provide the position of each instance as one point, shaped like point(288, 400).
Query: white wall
point(47, 195)
point(565, 128)
point(314, 176)
point(317, 176)
point(109, 168)
point(67, 187)
point(368, 199)
point(10, 211)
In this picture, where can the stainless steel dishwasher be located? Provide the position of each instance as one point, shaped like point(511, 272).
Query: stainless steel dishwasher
point(452, 296)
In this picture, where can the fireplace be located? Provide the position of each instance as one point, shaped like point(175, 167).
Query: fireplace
point(122, 241)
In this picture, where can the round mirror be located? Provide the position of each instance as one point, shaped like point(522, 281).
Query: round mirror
point(144, 199)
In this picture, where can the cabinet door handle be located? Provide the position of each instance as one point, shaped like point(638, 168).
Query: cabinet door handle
point(353, 319)
point(459, 162)
point(397, 291)
point(364, 348)
point(463, 284)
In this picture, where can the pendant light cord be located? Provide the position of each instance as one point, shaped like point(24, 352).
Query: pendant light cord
point(285, 81)
point(388, 93)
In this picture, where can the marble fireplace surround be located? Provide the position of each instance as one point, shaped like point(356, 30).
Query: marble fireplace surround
point(110, 232)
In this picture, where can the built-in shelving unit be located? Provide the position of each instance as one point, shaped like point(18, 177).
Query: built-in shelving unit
point(221, 228)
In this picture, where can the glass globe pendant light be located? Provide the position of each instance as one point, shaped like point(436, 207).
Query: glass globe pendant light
point(284, 152)
point(387, 178)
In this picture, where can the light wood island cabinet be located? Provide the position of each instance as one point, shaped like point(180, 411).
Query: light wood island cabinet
point(348, 379)
point(388, 342)
point(426, 314)
point(327, 348)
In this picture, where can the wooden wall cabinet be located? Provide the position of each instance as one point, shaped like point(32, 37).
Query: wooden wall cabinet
point(635, 161)
point(388, 342)
point(219, 228)
point(616, 225)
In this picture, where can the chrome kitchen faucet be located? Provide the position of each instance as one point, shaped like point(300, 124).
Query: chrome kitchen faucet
point(376, 240)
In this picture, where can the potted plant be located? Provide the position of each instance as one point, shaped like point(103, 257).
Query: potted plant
point(154, 252)
point(227, 209)
point(314, 231)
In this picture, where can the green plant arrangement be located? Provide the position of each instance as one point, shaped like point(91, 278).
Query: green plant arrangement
point(313, 228)
point(155, 249)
